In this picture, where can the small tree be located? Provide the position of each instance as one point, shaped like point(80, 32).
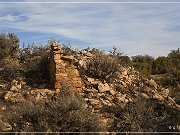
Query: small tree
point(143, 64)
point(174, 56)
point(9, 45)
point(160, 65)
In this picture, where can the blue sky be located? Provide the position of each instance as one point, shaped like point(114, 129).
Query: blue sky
point(152, 28)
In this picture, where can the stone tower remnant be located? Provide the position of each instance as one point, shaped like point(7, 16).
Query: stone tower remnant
point(55, 62)
point(62, 70)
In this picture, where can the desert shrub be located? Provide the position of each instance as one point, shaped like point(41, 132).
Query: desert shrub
point(136, 118)
point(146, 116)
point(103, 67)
point(34, 60)
point(174, 57)
point(65, 112)
point(143, 64)
point(160, 65)
point(124, 60)
point(11, 63)
point(95, 51)
point(10, 69)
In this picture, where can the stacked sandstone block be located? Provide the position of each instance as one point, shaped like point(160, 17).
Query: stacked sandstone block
point(55, 65)
point(63, 71)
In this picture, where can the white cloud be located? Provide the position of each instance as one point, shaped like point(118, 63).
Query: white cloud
point(8, 18)
point(136, 28)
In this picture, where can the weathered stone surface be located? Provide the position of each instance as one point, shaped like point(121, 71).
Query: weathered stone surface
point(91, 90)
point(62, 71)
point(109, 98)
point(103, 87)
point(14, 97)
point(57, 56)
point(126, 100)
point(54, 66)
point(145, 96)
point(2, 86)
point(112, 92)
point(68, 58)
point(152, 83)
point(16, 86)
point(164, 92)
point(94, 101)
point(41, 94)
point(158, 97)
point(104, 102)
point(125, 72)
point(171, 100)
point(57, 85)
point(120, 97)
point(88, 54)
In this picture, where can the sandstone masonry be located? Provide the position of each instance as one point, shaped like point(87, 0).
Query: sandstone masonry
point(62, 70)
point(55, 62)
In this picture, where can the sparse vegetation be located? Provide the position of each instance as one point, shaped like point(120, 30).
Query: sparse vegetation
point(67, 111)
point(102, 67)
point(145, 116)
point(31, 61)
point(34, 60)
point(143, 64)
point(9, 45)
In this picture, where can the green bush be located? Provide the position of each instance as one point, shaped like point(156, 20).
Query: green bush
point(160, 65)
point(95, 51)
point(124, 60)
point(174, 57)
point(143, 64)
point(103, 67)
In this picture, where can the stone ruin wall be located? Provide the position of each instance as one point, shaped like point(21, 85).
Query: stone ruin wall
point(62, 71)
point(55, 61)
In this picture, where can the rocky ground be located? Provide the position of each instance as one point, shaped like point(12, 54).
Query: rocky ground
point(128, 86)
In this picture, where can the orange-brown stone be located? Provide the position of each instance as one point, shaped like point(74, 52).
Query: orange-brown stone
point(62, 71)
